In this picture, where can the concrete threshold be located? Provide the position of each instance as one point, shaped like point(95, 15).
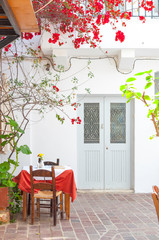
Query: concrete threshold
point(103, 191)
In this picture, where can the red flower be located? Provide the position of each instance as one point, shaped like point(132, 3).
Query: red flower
point(141, 18)
point(55, 37)
point(106, 17)
point(37, 33)
point(98, 21)
point(119, 36)
point(55, 88)
point(27, 36)
point(72, 120)
point(7, 47)
point(50, 40)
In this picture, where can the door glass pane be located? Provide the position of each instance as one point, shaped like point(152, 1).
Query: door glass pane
point(91, 123)
point(118, 122)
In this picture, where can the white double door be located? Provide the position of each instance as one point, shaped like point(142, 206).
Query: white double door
point(104, 160)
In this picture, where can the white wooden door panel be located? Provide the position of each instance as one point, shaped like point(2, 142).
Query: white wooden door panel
point(104, 144)
point(90, 147)
point(117, 143)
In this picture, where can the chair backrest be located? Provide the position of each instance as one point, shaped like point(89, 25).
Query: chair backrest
point(52, 163)
point(155, 197)
point(43, 184)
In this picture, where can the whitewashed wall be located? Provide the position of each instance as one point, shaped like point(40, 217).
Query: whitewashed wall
point(54, 140)
point(48, 136)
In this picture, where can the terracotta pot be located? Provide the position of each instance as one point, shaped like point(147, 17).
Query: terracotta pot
point(4, 199)
point(4, 216)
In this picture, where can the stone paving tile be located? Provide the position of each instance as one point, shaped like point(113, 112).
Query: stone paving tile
point(94, 216)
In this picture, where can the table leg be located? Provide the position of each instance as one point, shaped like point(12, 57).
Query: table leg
point(67, 205)
point(24, 205)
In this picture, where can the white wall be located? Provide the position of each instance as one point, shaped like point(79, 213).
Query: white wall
point(54, 140)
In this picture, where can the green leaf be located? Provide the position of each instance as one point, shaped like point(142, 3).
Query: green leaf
point(3, 143)
point(90, 75)
point(3, 176)
point(13, 123)
point(10, 183)
point(146, 97)
point(4, 167)
point(148, 78)
point(148, 71)
point(20, 130)
point(4, 136)
point(122, 87)
point(149, 84)
point(139, 94)
point(156, 102)
point(129, 100)
point(88, 90)
point(151, 137)
point(129, 95)
point(25, 149)
point(140, 73)
point(149, 113)
point(12, 162)
point(131, 79)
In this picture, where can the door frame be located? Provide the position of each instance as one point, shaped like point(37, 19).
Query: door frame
point(81, 97)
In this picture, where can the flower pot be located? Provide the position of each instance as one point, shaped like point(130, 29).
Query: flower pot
point(4, 199)
point(4, 216)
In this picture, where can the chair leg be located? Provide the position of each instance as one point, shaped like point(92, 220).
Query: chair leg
point(51, 208)
point(61, 205)
point(54, 211)
point(38, 207)
point(28, 204)
point(32, 210)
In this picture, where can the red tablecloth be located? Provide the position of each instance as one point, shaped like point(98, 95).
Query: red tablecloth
point(64, 182)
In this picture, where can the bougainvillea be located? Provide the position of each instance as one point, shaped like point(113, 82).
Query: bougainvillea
point(82, 19)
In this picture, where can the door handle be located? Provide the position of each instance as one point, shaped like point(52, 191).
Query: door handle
point(106, 148)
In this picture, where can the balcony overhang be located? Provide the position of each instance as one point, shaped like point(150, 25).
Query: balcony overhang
point(16, 16)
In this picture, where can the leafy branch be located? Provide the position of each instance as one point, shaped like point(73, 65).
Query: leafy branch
point(151, 102)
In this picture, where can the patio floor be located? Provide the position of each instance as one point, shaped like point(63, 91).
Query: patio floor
point(94, 216)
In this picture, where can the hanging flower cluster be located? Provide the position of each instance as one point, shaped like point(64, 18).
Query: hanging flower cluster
point(80, 18)
point(119, 36)
point(55, 38)
point(147, 5)
point(7, 47)
point(27, 36)
point(77, 120)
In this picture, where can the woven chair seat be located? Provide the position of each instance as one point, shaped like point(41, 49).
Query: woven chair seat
point(46, 194)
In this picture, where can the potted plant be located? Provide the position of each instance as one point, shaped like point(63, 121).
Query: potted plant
point(10, 195)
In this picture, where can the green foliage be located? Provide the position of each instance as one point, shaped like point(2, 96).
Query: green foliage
point(88, 90)
point(12, 139)
point(90, 75)
point(25, 149)
point(151, 102)
point(60, 118)
point(131, 79)
point(15, 199)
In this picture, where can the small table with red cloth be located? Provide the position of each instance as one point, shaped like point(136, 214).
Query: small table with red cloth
point(64, 182)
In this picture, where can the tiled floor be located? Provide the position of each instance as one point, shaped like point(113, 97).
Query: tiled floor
point(104, 216)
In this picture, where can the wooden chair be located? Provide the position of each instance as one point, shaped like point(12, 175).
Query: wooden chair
point(155, 197)
point(48, 163)
point(46, 191)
